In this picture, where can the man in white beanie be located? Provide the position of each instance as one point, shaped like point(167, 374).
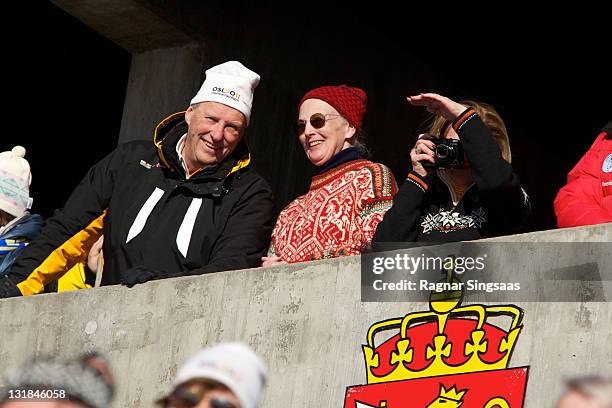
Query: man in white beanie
point(187, 204)
point(226, 375)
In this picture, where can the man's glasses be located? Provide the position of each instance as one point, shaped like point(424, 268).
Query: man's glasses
point(317, 121)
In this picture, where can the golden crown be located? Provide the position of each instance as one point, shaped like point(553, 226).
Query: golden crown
point(445, 340)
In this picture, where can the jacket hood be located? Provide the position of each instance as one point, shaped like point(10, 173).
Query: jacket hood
point(171, 129)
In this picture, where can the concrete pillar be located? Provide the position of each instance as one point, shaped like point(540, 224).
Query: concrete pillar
point(161, 82)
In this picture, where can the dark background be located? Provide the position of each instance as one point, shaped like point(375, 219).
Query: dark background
point(67, 86)
point(548, 75)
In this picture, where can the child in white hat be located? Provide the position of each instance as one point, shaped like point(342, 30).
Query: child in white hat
point(17, 225)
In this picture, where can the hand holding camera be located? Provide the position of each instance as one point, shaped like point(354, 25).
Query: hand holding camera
point(430, 151)
point(423, 152)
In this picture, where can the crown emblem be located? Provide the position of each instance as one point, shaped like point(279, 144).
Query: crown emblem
point(448, 339)
point(448, 399)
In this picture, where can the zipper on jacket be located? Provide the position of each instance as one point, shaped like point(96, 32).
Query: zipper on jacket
point(444, 177)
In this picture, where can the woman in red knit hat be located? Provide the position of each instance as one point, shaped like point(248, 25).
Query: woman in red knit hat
point(348, 196)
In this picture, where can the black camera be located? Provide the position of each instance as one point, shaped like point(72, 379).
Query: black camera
point(447, 153)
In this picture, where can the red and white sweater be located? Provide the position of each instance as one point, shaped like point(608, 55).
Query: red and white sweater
point(339, 214)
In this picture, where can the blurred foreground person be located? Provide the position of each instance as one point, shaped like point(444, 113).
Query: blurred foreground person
point(99, 363)
point(54, 383)
point(587, 392)
point(226, 375)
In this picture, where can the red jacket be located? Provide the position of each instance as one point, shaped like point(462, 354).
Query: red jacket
point(586, 199)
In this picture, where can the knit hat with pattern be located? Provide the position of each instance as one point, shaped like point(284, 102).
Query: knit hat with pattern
point(349, 101)
point(15, 179)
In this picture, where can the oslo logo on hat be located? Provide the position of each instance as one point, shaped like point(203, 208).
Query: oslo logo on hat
point(231, 84)
point(219, 90)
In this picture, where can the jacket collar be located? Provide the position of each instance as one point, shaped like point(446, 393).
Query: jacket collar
point(26, 226)
point(339, 158)
point(171, 129)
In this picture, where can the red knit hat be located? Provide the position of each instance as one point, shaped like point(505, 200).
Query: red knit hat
point(350, 102)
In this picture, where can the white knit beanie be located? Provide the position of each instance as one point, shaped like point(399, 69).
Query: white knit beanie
point(231, 84)
point(15, 179)
point(234, 365)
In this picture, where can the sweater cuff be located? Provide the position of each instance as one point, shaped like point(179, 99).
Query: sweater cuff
point(465, 117)
point(418, 180)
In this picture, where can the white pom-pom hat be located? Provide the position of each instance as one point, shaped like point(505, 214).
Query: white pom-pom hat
point(15, 180)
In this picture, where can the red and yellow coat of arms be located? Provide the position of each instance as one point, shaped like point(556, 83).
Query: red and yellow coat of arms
point(450, 356)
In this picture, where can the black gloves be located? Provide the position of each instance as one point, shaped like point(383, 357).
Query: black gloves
point(140, 274)
point(8, 289)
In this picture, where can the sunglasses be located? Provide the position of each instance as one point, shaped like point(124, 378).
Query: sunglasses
point(317, 121)
point(183, 398)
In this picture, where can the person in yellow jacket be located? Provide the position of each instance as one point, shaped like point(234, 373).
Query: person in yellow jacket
point(73, 264)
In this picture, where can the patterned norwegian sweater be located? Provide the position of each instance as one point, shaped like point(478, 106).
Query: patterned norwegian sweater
point(339, 214)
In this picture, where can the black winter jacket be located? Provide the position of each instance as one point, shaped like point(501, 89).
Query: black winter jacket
point(423, 209)
point(219, 219)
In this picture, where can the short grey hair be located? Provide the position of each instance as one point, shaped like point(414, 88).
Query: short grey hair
point(360, 144)
point(598, 388)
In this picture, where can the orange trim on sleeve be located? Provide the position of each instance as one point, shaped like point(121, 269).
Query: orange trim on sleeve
point(418, 180)
point(464, 116)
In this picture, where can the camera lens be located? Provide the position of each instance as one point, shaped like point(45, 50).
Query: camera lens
point(442, 151)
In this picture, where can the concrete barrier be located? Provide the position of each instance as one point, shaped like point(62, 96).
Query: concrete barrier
point(306, 320)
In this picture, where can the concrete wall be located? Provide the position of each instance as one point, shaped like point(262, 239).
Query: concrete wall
point(129, 23)
point(306, 320)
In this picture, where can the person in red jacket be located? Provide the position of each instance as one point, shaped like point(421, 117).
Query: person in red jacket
point(586, 199)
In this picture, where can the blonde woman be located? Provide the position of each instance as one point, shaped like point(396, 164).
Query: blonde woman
point(472, 196)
